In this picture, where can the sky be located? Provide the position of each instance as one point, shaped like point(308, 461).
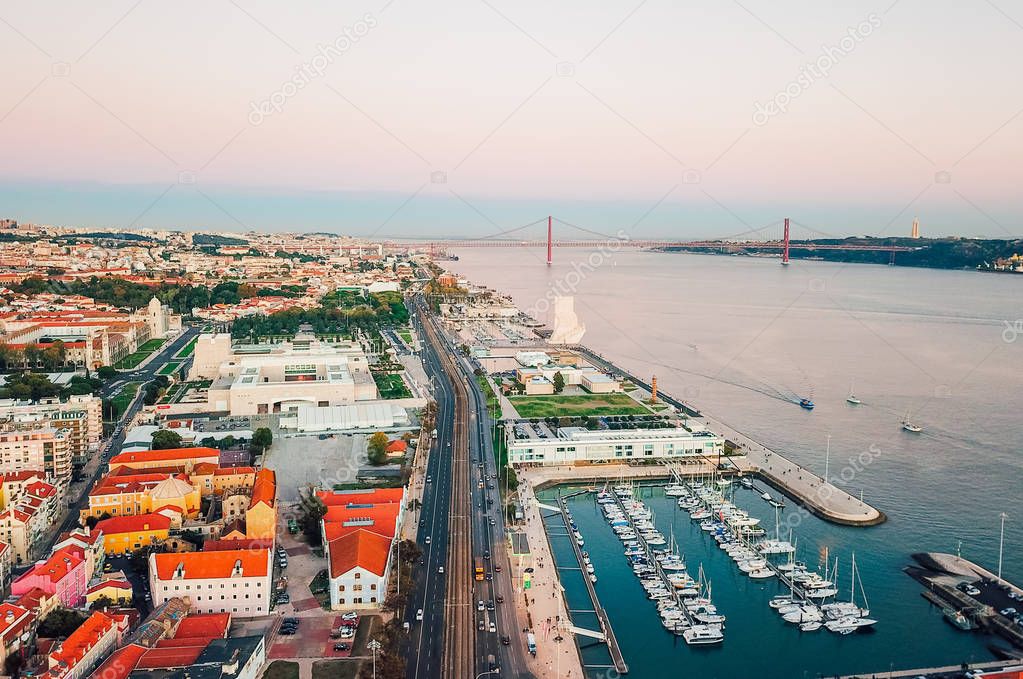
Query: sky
point(661, 118)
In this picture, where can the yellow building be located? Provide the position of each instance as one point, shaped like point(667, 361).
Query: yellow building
point(261, 517)
point(184, 458)
point(119, 494)
point(116, 589)
point(127, 534)
point(211, 479)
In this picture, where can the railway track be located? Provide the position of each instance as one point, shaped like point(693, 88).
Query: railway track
point(459, 660)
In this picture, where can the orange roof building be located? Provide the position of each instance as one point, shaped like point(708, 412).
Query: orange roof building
point(230, 581)
point(126, 534)
point(359, 565)
point(145, 459)
point(85, 649)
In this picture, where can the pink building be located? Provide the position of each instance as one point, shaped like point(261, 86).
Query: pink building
point(63, 575)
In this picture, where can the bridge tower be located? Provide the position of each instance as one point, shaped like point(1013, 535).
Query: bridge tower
point(785, 251)
point(550, 244)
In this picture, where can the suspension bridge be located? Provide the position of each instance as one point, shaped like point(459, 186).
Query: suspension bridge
point(736, 243)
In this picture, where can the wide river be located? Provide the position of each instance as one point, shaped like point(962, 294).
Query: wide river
point(741, 338)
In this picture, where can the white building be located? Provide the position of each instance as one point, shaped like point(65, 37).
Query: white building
point(537, 444)
point(233, 581)
point(359, 565)
point(273, 378)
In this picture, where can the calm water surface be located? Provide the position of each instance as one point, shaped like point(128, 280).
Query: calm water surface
point(742, 337)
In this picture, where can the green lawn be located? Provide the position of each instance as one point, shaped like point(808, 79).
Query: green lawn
point(169, 368)
point(281, 669)
point(152, 345)
point(187, 350)
point(391, 386)
point(121, 400)
point(334, 669)
point(132, 360)
point(577, 405)
point(493, 404)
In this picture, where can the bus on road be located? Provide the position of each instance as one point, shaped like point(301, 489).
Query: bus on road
point(479, 568)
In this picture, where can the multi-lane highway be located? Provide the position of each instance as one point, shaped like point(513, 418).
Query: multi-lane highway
point(461, 518)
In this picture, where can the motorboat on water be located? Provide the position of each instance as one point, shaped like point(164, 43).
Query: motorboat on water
point(698, 635)
point(806, 404)
point(849, 624)
point(746, 482)
point(910, 427)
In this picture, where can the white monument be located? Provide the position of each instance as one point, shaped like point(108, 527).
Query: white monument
point(568, 329)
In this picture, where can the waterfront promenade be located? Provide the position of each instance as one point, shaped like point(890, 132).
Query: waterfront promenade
point(542, 606)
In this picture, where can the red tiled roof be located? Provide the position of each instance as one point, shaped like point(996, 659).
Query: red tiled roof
point(57, 567)
point(250, 543)
point(186, 642)
point(397, 446)
point(360, 548)
point(164, 455)
point(235, 470)
point(375, 496)
point(383, 517)
point(265, 487)
point(19, 617)
point(82, 639)
point(133, 524)
point(156, 658)
point(202, 565)
point(213, 625)
point(120, 663)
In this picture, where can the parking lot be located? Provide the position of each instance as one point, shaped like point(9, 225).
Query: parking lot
point(312, 639)
point(303, 460)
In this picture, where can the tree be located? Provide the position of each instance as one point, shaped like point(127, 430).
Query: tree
point(60, 623)
point(165, 438)
point(376, 448)
point(311, 511)
point(91, 522)
point(559, 382)
point(102, 603)
point(106, 372)
point(262, 439)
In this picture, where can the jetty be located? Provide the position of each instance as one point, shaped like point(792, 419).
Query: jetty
point(606, 633)
point(805, 488)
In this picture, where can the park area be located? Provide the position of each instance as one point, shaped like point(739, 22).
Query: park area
point(577, 405)
point(142, 353)
point(391, 386)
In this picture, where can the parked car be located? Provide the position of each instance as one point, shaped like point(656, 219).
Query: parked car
point(342, 647)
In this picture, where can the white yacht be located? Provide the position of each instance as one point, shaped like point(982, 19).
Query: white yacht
point(703, 634)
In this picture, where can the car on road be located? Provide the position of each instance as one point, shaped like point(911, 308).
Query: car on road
point(440, 570)
point(505, 640)
point(497, 567)
point(490, 576)
point(493, 627)
point(429, 479)
point(490, 605)
point(500, 599)
point(1009, 612)
point(479, 605)
point(419, 615)
point(486, 554)
point(480, 625)
point(427, 540)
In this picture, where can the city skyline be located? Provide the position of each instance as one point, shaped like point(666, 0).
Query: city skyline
point(391, 119)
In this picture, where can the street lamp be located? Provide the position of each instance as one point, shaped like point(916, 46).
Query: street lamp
point(827, 459)
point(374, 646)
point(1001, 540)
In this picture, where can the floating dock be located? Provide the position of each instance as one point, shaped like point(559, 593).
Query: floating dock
point(606, 633)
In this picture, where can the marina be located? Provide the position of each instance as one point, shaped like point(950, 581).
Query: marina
point(924, 480)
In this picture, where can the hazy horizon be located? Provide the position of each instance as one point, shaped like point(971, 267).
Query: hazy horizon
point(660, 119)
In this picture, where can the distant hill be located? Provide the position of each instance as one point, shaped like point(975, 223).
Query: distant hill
point(214, 239)
point(933, 253)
